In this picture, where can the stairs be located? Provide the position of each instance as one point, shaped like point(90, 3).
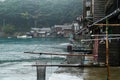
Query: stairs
point(99, 9)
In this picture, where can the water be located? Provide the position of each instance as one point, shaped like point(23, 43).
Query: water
point(13, 49)
point(15, 64)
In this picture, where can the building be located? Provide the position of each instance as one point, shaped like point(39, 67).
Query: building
point(108, 13)
point(62, 30)
point(96, 13)
point(44, 32)
point(40, 32)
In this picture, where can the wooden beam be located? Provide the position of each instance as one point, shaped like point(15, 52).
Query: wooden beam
point(66, 65)
point(60, 54)
point(109, 25)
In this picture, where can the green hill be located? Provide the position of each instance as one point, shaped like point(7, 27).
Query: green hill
point(24, 14)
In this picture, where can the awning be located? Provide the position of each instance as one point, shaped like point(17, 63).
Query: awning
point(117, 11)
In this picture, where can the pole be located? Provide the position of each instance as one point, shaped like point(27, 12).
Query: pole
point(107, 53)
point(41, 71)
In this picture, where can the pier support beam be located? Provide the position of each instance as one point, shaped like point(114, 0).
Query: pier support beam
point(41, 71)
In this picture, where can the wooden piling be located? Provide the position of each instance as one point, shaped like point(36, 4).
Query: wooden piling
point(107, 53)
point(41, 71)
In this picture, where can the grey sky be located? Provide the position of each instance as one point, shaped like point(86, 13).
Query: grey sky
point(2, 0)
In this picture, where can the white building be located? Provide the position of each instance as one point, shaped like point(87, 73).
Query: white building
point(63, 30)
point(40, 32)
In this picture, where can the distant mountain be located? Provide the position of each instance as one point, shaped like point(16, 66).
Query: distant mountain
point(41, 13)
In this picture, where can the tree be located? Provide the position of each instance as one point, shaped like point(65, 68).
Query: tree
point(25, 14)
point(8, 29)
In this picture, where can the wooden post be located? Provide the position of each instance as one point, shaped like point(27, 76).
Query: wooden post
point(41, 72)
point(107, 53)
point(95, 50)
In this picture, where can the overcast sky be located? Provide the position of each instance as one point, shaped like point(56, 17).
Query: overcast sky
point(1, 0)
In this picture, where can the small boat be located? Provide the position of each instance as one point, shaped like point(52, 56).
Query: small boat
point(24, 36)
point(9, 37)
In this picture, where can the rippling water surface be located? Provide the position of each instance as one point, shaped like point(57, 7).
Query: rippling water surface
point(13, 60)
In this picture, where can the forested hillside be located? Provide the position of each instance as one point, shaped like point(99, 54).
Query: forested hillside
point(24, 14)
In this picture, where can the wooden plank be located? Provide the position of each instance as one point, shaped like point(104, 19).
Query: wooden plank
point(67, 65)
point(109, 25)
point(60, 54)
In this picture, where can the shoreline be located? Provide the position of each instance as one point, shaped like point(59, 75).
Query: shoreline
point(78, 73)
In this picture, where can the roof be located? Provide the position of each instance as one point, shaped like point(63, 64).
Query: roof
point(45, 29)
point(42, 32)
point(117, 11)
point(35, 28)
point(41, 29)
point(64, 26)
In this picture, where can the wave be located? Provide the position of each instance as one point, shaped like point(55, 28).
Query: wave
point(64, 76)
point(65, 44)
point(30, 60)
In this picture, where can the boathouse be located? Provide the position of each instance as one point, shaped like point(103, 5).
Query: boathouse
point(96, 13)
point(62, 30)
point(106, 12)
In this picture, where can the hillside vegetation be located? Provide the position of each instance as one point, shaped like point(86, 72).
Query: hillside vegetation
point(24, 14)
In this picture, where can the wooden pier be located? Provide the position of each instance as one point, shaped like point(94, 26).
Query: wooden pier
point(69, 65)
point(60, 54)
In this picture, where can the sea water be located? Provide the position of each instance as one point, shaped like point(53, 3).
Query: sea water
point(16, 65)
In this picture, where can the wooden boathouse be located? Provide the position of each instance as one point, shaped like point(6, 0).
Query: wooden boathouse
point(104, 12)
point(110, 12)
